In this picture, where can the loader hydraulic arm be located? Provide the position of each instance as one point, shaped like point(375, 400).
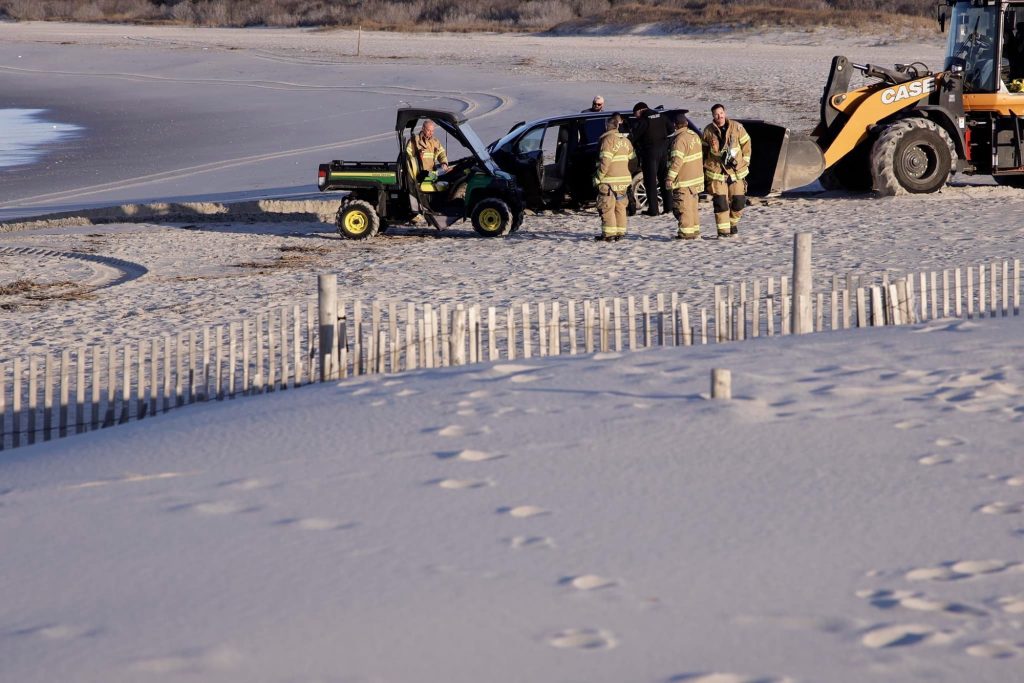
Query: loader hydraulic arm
point(865, 107)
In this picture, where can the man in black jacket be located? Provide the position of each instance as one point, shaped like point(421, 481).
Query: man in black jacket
point(650, 134)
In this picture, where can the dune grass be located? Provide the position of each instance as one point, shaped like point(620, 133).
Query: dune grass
point(473, 15)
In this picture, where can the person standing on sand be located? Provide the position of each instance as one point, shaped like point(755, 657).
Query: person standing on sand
point(726, 166)
point(612, 180)
point(650, 135)
point(595, 106)
point(685, 177)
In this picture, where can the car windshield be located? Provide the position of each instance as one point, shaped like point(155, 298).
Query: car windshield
point(505, 140)
point(972, 38)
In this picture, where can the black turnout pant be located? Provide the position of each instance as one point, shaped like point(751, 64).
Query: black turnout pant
point(655, 168)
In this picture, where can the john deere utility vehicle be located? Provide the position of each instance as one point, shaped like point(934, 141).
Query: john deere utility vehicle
point(911, 128)
point(383, 192)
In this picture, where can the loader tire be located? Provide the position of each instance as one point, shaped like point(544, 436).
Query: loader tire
point(358, 220)
point(913, 156)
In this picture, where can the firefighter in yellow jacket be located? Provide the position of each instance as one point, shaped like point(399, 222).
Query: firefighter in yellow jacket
point(685, 178)
point(613, 180)
point(429, 149)
point(726, 166)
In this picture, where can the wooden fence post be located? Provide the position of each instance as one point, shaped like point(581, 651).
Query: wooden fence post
point(96, 386)
point(970, 292)
point(48, 397)
point(17, 423)
point(80, 418)
point(327, 305)
point(573, 348)
point(510, 333)
point(862, 315)
point(982, 308)
point(721, 384)
point(3, 404)
point(802, 320)
point(65, 392)
point(492, 330)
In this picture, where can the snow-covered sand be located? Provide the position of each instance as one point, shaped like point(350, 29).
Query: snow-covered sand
point(854, 515)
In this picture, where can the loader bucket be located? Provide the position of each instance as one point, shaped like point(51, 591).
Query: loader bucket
point(780, 160)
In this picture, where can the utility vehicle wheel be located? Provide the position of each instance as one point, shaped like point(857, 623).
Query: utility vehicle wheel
point(852, 173)
point(638, 196)
point(492, 218)
point(1010, 181)
point(911, 155)
point(357, 220)
point(518, 216)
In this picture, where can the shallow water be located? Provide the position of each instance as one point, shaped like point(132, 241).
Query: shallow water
point(25, 132)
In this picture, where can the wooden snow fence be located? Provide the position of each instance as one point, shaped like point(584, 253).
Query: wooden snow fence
point(50, 395)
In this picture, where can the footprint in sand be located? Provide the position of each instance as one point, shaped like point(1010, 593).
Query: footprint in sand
point(521, 542)
point(523, 511)
point(964, 569)
point(583, 639)
point(902, 635)
point(314, 523)
point(198, 661)
point(910, 424)
point(246, 484)
point(129, 478)
point(717, 677)
point(58, 632)
point(1012, 604)
point(452, 431)
point(587, 582)
point(938, 459)
point(996, 649)
point(1001, 508)
point(459, 484)
point(949, 441)
point(467, 455)
point(217, 507)
point(1006, 479)
point(888, 599)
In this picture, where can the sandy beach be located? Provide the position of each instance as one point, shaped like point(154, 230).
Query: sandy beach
point(852, 516)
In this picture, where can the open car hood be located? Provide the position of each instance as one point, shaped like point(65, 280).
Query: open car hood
point(451, 123)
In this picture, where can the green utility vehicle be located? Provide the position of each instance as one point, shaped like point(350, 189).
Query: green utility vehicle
point(388, 192)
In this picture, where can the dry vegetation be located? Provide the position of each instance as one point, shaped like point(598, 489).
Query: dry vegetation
point(292, 256)
point(32, 293)
point(496, 15)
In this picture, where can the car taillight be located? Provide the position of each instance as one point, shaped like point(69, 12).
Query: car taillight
point(967, 143)
point(321, 177)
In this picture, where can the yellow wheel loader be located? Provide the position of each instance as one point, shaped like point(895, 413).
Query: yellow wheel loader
point(909, 129)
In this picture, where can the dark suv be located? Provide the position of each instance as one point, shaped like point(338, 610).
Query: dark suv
point(553, 159)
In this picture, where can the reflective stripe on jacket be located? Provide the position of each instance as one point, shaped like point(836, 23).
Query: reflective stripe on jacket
point(430, 151)
point(736, 139)
point(685, 168)
point(613, 161)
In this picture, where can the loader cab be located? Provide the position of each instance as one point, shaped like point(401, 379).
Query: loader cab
point(985, 43)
